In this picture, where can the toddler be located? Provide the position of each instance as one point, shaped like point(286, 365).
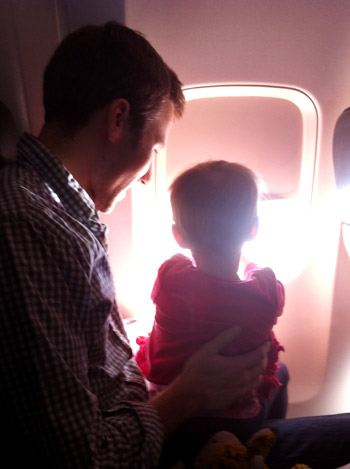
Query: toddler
point(214, 208)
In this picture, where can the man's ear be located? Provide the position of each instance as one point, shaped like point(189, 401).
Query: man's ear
point(118, 113)
point(254, 229)
point(178, 238)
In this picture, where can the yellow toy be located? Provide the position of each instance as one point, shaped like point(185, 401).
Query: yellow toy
point(225, 451)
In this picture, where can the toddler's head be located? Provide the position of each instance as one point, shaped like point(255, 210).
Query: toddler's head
point(214, 206)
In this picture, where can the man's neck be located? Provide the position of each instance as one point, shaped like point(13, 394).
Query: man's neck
point(76, 150)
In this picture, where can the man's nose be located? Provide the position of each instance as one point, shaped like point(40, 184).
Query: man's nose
point(145, 179)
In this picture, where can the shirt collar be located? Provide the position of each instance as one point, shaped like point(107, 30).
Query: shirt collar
point(64, 188)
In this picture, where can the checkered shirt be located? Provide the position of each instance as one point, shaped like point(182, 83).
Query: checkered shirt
point(71, 393)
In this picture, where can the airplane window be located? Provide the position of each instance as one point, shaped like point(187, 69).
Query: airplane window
point(271, 130)
point(341, 161)
point(248, 130)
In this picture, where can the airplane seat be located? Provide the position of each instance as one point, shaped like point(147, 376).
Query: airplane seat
point(8, 136)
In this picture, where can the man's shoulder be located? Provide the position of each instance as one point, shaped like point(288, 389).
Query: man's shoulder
point(22, 193)
point(27, 201)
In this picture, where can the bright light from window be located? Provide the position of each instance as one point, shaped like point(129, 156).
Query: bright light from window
point(282, 239)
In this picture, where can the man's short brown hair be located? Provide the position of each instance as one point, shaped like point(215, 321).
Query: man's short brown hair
point(96, 64)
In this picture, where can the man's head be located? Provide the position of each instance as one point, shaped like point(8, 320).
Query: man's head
point(110, 101)
point(97, 64)
point(214, 205)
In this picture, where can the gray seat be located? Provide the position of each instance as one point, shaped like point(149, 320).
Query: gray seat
point(8, 136)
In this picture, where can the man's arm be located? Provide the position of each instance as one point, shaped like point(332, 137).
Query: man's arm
point(210, 380)
point(68, 401)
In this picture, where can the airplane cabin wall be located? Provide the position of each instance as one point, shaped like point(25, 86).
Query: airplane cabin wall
point(30, 30)
point(302, 45)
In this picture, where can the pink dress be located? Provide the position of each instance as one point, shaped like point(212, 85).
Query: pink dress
point(192, 308)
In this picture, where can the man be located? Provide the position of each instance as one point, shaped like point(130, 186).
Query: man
point(71, 393)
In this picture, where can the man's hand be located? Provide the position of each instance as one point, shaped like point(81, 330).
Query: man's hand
point(221, 380)
point(210, 381)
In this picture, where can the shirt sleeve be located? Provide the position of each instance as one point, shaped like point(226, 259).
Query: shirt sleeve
point(275, 291)
point(57, 412)
point(270, 285)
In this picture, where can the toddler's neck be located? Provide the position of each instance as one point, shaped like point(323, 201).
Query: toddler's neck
point(220, 264)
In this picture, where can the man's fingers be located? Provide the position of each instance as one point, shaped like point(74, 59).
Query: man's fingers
point(254, 359)
point(218, 343)
point(221, 380)
point(253, 376)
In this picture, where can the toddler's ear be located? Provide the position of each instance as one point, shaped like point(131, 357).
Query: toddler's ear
point(178, 237)
point(254, 229)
